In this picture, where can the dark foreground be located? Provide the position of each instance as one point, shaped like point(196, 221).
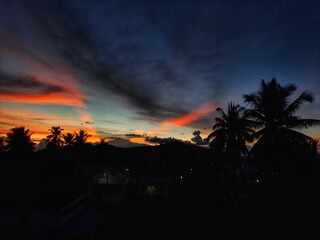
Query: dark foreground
point(261, 214)
point(60, 199)
point(258, 216)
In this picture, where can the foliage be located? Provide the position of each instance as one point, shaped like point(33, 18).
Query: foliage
point(18, 140)
point(231, 131)
point(68, 139)
point(102, 142)
point(278, 142)
point(81, 137)
point(55, 139)
point(2, 144)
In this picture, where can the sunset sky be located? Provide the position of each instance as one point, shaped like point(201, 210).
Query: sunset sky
point(137, 70)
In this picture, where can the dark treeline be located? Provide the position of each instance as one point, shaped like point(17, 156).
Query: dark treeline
point(179, 190)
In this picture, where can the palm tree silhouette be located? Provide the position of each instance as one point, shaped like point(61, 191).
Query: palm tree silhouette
point(231, 131)
point(274, 115)
point(68, 139)
point(2, 144)
point(102, 142)
point(18, 140)
point(54, 138)
point(81, 137)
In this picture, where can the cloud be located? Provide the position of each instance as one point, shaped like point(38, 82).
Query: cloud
point(42, 99)
point(16, 117)
point(197, 139)
point(35, 90)
point(193, 116)
point(160, 140)
point(30, 84)
point(161, 59)
point(122, 57)
point(134, 135)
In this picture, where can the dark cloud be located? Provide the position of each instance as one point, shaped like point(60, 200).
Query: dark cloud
point(197, 139)
point(125, 58)
point(166, 58)
point(134, 135)
point(161, 140)
point(26, 84)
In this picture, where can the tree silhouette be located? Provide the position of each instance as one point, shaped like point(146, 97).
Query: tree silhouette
point(81, 137)
point(102, 142)
point(68, 139)
point(2, 144)
point(18, 140)
point(228, 140)
point(278, 143)
point(231, 131)
point(55, 139)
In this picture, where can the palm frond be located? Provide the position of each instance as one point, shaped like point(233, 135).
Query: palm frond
point(222, 113)
point(303, 123)
point(215, 133)
point(305, 96)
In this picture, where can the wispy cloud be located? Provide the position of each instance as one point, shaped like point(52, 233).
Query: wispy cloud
point(193, 116)
point(38, 90)
point(160, 60)
point(127, 60)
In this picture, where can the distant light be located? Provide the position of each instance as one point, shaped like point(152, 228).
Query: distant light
point(104, 174)
point(191, 169)
point(257, 180)
point(181, 177)
point(127, 169)
point(242, 166)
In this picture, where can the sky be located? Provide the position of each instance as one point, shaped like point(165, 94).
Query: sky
point(149, 71)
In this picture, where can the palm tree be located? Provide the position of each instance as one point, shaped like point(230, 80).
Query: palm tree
point(81, 137)
point(54, 138)
point(18, 140)
point(102, 142)
point(2, 144)
point(68, 139)
point(273, 113)
point(231, 131)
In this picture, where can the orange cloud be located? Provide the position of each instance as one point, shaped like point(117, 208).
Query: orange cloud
point(193, 116)
point(66, 81)
point(139, 132)
point(52, 73)
point(86, 119)
point(186, 119)
point(165, 128)
point(56, 75)
point(43, 99)
point(84, 116)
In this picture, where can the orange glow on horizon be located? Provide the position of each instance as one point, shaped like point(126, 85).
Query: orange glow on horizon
point(39, 124)
point(141, 140)
point(37, 136)
point(139, 132)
